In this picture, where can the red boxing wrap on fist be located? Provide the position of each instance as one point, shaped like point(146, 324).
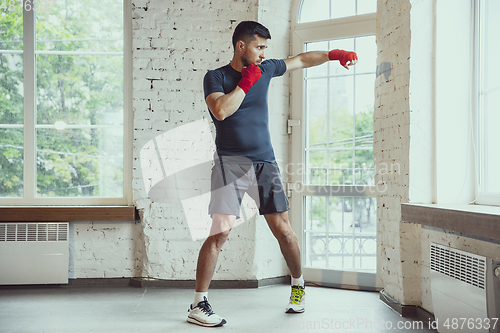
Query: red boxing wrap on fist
point(343, 56)
point(249, 76)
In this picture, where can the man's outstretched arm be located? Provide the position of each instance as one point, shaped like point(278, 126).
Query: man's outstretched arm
point(315, 58)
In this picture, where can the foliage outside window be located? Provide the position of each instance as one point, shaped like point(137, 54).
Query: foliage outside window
point(78, 112)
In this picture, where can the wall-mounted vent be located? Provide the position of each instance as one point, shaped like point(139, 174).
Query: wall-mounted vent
point(464, 287)
point(459, 265)
point(34, 253)
point(33, 232)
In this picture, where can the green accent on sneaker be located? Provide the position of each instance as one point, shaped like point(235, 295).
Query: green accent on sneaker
point(297, 293)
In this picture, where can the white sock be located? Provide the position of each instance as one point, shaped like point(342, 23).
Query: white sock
point(298, 281)
point(198, 297)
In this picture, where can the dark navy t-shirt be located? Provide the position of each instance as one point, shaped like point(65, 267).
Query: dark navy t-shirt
point(246, 132)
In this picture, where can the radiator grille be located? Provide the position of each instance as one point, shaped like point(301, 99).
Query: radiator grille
point(459, 265)
point(33, 232)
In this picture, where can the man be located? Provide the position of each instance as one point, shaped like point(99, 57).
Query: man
point(236, 96)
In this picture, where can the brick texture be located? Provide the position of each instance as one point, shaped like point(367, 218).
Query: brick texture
point(174, 44)
point(392, 143)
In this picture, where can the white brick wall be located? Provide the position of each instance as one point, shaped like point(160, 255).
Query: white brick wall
point(103, 249)
point(174, 44)
point(185, 40)
point(398, 244)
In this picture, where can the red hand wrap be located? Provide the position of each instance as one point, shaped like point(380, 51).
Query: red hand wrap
point(343, 56)
point(249, 76)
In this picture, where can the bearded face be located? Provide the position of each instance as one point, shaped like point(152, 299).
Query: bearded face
point(254, 52)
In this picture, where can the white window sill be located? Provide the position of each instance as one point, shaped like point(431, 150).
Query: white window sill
point(476, 221)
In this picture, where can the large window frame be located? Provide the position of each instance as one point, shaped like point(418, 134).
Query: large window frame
point(29, 198)
point(482, 162)
point(301, 33)
point(458, 158)
point(458, 207)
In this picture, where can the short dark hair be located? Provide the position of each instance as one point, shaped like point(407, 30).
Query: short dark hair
point(246, 31)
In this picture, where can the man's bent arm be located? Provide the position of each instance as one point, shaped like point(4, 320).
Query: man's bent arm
point(223, 105)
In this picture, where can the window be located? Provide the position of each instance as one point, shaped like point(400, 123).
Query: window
point(488, 102)
point(331, 174)
point(338, 151)
point(63, 116)
point(318, 10)
point(340, 231)
point(339, 116)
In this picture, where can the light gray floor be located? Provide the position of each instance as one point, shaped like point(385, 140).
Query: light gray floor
point(129, 309)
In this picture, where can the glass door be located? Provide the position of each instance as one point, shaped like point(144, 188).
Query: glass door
point(333, 197)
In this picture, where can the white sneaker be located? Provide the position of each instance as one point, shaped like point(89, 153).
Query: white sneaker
point(297, 300)
point(202, 314)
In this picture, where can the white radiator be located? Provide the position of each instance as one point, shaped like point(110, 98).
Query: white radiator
point(465, 291)
point(34, 253)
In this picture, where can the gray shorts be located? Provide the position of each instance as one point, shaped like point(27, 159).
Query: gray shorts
point(232, 177)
